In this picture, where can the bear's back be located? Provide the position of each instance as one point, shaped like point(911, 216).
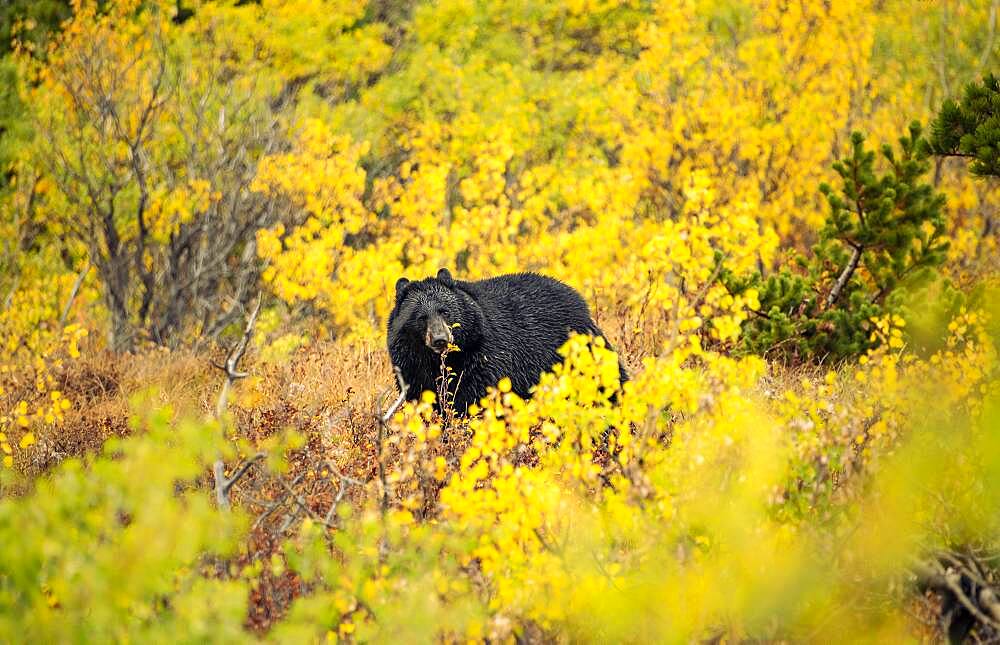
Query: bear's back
point(531, 297)
point(527, 317)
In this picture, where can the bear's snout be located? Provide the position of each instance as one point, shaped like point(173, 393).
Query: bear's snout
point(438, 335)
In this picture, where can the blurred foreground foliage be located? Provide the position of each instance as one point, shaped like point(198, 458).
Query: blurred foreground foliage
point(720, 499)
point(122, 548)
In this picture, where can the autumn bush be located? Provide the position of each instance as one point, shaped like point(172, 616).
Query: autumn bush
point(205, 206)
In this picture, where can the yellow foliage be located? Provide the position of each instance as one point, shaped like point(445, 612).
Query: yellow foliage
point(635, 151)
point(29, 397)
point(695, 136)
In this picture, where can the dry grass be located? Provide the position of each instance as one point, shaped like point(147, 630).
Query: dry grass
point(308, 390)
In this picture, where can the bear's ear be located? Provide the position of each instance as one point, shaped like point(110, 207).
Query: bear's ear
point(444, 275)
point(400, 286)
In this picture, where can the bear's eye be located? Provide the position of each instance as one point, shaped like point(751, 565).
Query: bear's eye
point(421, 317)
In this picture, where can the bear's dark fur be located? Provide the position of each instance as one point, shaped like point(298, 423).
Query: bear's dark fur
point(510, 325)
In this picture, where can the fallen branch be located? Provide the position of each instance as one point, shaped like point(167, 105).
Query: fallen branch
point(961, 585)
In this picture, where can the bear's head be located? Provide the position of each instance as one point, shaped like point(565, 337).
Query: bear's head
point(435, 312)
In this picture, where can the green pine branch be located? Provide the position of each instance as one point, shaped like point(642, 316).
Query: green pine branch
point(884, 232)
point(971, 128)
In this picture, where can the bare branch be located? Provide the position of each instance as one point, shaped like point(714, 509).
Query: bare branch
point(941, 578)
point(383, 428)
point(845, 275)
point(232, 362)
point(73, 294)
point(403, 387)
point(224, 484)
point(342, 476)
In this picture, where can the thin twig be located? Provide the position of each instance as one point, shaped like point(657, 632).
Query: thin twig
point(73, 294)
point(343, 482)
point(342, 476)
point(271, 508)
point(403, 387)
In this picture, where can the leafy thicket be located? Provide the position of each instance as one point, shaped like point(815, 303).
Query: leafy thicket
point(149, 155)
point(180, 165)
point(883, 233)
point(31, 22)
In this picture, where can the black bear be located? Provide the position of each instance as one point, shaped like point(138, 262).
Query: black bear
point(510, 325)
